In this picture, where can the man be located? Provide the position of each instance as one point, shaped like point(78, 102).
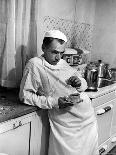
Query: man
point(50, 83)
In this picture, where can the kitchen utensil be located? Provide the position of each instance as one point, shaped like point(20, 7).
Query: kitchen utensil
point(103, 70)
point(113, 74)
point(73, 59)
point(102, 82)
point(91, 75)
point(75, 98)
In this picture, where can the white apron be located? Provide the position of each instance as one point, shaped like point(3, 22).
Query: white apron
point(73, 131)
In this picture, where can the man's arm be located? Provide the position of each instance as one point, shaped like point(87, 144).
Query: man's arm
point(29, 87)
point(32, 93)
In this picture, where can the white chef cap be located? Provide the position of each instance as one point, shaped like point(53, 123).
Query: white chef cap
point(56, 34)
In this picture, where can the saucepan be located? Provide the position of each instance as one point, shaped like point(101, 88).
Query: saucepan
point(91, 75)
point(113, 74)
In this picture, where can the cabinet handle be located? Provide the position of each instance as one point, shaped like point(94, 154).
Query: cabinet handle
point(17, 125)
point(104, 110)
point(103, 149)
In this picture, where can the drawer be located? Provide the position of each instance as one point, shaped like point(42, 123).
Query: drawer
point(104, 118)
point(104, 98)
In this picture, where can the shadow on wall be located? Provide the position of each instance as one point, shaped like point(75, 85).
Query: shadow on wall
point(11, 78)
point(21, 59)
point(7, 78)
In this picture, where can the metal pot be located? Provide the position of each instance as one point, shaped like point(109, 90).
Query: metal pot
point(91, 75)
point(113, 74)
point(102, 82)
point(103, 70)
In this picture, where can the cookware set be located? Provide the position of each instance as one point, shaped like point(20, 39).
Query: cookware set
point(98, 74)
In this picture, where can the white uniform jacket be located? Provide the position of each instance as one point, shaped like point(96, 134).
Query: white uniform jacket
point(74, 129)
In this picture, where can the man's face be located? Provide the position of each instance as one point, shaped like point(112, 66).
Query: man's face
point(54, 53)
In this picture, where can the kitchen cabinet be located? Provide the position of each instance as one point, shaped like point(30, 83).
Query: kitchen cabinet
point(104, 102)
point(24, 135)
point(104, 119)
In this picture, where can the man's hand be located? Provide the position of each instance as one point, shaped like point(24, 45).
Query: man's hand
point(74, 81)
point(64, 102)
point(40, 92)
point(69, 101)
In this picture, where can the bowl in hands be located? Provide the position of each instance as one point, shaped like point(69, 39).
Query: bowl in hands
point(68, 101)
point(75, 98)
point(64, 102)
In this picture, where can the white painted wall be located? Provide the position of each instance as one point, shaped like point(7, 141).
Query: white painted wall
point(63, 9)
point(104, 40)
point(85, 11)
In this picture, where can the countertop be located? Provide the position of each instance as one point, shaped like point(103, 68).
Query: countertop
point(102, 91)
point(11, 107)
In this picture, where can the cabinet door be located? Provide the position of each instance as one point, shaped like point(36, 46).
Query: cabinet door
point(104, 117)
point(15, 136)
point(16, 141)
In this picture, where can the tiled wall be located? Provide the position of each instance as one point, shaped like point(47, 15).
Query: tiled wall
point(79, 34)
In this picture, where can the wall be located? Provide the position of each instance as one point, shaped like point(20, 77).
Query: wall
point(72, 18)
point(104, 37)
point(50, 13)
point(96, 29)
point(85, 11)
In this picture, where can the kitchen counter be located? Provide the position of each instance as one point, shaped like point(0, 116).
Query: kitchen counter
point(102, 91)
point(11, 107)
point(24, 129)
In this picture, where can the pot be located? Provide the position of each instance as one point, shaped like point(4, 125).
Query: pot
point(91, 75)
point(103, 70)
point(102, 82)
point(113, 74)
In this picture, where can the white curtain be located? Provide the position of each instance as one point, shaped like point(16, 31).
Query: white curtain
point(18, 36)
point(22, 30)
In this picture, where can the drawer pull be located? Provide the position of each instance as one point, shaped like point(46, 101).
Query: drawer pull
point(113, 140)
point(100, 111)
point(104, 110)
point(17, 125)
point(103, 149)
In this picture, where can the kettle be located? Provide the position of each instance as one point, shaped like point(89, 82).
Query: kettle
point(103, 70)
point(91, 76)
